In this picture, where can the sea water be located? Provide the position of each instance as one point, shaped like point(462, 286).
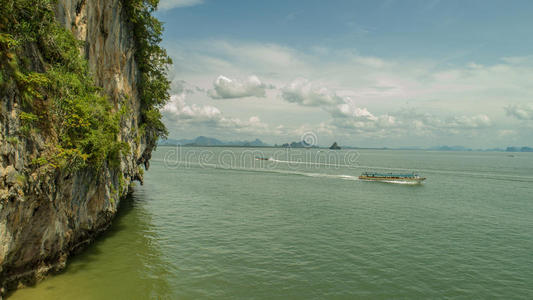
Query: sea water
point(217, 223)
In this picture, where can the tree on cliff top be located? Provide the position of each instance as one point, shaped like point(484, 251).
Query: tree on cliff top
point(152, 61)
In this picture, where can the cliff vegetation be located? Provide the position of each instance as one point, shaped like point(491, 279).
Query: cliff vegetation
point(81, 85)
point(58, 93)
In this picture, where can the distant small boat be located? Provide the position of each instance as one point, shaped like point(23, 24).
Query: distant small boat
point(411, 178)
point(262, 158)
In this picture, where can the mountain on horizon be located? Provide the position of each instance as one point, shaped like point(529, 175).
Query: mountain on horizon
point(209, 141)
point(301, 144)
point(519, 149)
point(450, 148)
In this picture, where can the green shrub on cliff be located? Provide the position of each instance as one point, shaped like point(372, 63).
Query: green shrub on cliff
point(152, 61)
point(57, 92)
point(56, 89)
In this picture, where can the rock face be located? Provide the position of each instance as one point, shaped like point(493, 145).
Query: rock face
point(45, 217)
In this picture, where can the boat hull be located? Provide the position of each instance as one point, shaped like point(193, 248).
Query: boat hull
point(394, 180)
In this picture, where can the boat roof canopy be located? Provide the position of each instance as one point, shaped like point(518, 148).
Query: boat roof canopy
point(373, 174)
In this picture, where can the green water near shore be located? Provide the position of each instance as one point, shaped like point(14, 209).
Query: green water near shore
point(226, 226)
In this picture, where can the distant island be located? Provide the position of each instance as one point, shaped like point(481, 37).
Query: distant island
point(203, 141)
point(461, 148)
point(519, 149)
point(334, 146)
point(301, 144)
point(450, 148)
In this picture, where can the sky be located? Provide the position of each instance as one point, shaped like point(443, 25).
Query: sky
point(391, 73)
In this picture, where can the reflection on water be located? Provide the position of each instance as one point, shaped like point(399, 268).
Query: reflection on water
point(124, 263)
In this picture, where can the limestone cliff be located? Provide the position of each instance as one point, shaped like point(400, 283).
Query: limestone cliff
point(44, 217)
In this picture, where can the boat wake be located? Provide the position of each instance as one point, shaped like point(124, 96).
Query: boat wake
point(298, 173)
point(261, 170)
point(341, 176)
point(395, 182)
point(431, 171)
point(505, 177)
point(295, 162)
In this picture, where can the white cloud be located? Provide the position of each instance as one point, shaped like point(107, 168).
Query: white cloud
point(178, 108)
point(352, 93)
point(252, 125)
point(180, 115)
point(259, 54)
point(347, 115)
point(226, 88)
point(429, 124)
point(303, 92)
point(170, 4)
point(350, 110)
point(396, 125)
point(468, 122)
point(207, 58)
point(521, 112)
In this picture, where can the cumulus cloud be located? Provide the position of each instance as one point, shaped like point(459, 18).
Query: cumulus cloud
point(343, 110)
point(253, 124)
point(182, 115)
point(347, 117)
point(381, 89)
point(521, 112)
point(350, 117)
point(348, 109)
point(264, 56)
point(170, 4)
point(177, 107)
point(402, 124)
point(430, 124)
point(226, 88)
point(303, 92)
point(468, 122)
point(382, 122)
